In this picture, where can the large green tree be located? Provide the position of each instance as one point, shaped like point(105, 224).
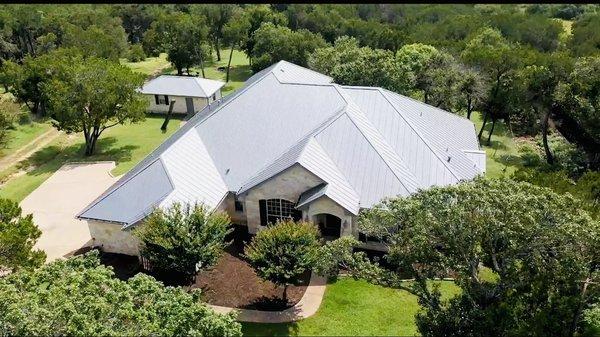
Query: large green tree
point(255, 15)
point(182, 36)
point(183, 238)
point(525, 258)
point(496, 58)
point(81, 297)
point(585, 39)
point(18, 235)
point(350, 64)
point(235, 34)
point(217, 16)
point(275, 43)
point(96, 94)
point(576, 107)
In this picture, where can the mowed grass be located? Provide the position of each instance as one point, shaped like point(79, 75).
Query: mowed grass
point(355, 308)
point(239, 73)
point(23, 135)
point(125, 144)
point(502, 154)
point(150, 66)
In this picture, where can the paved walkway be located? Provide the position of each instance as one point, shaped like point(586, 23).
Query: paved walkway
point(56, 202)
point(306, 307)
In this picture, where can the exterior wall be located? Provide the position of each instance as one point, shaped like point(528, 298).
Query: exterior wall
point(287, 185)
point(328, 206)
point(111, 238)
point(180, 105)
point(228, 206)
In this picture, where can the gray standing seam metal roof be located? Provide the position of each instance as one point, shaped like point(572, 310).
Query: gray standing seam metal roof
point(364, 143)
point(186, 86)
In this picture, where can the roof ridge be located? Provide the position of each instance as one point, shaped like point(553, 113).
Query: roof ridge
point(298, 66)
point(423, 103)
point(410, 124)
point(348, 103)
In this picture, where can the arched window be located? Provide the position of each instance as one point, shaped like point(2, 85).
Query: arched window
point(272, 210)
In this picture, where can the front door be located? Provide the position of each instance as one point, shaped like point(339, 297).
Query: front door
point(189, 102)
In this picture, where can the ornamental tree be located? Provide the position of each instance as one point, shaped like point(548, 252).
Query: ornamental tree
point(81, 297)
point(283, 252)
point(183, 238)
point(18, 235)
point(94, 96)
point(525, 258)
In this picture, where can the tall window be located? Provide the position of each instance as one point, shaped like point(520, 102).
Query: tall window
point(273, 210)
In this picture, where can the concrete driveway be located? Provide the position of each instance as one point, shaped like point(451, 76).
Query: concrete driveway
point(56, 202)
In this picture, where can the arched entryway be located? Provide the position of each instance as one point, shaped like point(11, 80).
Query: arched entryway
point(329, 225)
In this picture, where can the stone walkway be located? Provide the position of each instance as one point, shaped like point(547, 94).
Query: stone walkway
point(306, 307)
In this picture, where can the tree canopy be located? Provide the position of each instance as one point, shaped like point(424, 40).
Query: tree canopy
point(18, 235)
point(94, 95)
point(525, 258)
point(81, 297)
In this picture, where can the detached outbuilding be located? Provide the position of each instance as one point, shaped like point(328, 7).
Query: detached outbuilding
point(191, 94)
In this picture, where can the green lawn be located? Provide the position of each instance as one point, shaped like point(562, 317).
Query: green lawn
point(502, 155)
point(150, 65)
point(125, 144)
point(23, 135)
point(354, 308)
point(239, 73)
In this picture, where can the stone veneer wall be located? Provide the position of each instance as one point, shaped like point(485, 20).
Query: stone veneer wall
point(111, 238)
point(328, 206)
point(287, 185)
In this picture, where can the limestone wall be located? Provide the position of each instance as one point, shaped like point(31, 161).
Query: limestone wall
point(111, 238)
point(287, 185)
point(324, 205)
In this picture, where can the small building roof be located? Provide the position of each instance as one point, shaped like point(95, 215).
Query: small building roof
point(186, 86)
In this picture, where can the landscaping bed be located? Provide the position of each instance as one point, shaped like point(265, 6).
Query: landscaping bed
point(230, 283)
point(233, 283)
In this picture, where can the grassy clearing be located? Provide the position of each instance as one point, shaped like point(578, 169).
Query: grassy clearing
point(23, 135)
point(239, 73)
point(355, 308)
point(502, 154)
point(125, 144)
point(151, 65)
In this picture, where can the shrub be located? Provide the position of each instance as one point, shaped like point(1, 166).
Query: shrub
point(284, 251)
point(80, 297)
point(18, 234)
point(183, 239)
point(136, 53)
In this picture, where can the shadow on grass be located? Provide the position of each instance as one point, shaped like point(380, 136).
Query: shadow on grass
point(240, 73)
point(270, 329)
point(50, 158)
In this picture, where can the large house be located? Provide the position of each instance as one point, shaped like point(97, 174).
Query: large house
point(292, 144)
point(190, 93)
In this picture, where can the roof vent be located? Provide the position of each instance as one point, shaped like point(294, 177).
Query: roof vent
point(448, 160)
point(227, 171)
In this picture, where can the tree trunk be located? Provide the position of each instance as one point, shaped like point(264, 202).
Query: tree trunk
point(229, 62)
point(469, 108)
point(179, 70)
point(485, 118)
point(575, 321)
point(217, 49)
point(489, 140)
point(168, 117)
point(285, 286)
point(549, 156)
point(90, 144)
point(202, 64)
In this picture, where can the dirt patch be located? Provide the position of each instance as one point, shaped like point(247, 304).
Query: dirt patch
point(233, 283)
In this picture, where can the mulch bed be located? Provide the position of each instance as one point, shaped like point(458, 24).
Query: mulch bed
point(233, 283)
point(230, 283)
